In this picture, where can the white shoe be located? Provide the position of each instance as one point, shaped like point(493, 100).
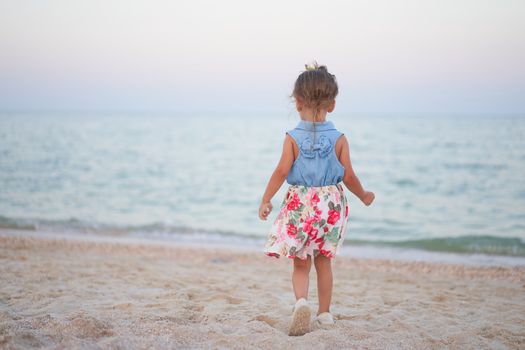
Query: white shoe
point(325, 319)
point(300, 318)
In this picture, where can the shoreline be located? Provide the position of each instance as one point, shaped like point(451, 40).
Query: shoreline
point(513, 272)
point(237, 243)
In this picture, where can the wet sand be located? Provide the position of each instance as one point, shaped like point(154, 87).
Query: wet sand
point(64, 293)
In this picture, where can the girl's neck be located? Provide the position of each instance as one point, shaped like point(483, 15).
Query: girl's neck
point(308, 116)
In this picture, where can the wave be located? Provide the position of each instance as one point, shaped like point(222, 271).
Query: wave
point(470, 244)
point(75, 225)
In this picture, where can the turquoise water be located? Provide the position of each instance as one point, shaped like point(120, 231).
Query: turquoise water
point(452, 184)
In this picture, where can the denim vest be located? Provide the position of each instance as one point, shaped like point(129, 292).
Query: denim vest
point(316, 164)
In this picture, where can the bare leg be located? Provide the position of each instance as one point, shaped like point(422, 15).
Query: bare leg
point(323, 266)
point(300, 277)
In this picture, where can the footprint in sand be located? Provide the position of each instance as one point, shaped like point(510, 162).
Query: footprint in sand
point(85, 326)
point(193, 307)
point(123, 306)
point(355, 317)
point(229, 299)
point(263, 318)
point(233, 301)
point(439, 298)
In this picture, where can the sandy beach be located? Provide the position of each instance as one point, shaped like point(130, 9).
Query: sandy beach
point(60, 293)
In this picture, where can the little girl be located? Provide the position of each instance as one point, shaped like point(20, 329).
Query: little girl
point(313, 215)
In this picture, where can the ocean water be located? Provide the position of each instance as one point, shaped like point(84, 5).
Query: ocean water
point(451, 184)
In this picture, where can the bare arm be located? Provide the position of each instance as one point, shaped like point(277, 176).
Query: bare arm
point(279, 175)
point(350, 179)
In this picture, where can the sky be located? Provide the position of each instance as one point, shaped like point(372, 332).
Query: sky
point(390, 57)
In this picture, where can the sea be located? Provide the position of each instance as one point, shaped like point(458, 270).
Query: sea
point(448, 188)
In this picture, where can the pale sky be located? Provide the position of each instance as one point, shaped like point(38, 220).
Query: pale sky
point(389, 56)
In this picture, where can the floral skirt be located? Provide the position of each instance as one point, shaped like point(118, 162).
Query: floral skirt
point(311, 221)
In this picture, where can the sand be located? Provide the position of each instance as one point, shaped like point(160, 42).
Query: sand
point(64, 294)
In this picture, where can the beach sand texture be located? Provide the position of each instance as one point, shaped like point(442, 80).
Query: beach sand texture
point(63, 293)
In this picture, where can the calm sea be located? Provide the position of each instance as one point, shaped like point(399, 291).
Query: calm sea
point(454, 184)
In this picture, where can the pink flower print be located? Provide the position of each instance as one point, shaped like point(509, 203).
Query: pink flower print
point(292, 230)
point(312, 198)
point(318, 213)
point(333, 216)
point(326, 253)
point(315, 199)
point(309, 229)
point(294, 202)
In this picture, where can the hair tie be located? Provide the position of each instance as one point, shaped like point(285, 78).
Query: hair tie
point(311, 66)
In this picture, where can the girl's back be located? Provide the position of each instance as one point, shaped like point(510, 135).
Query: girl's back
point(316, 162)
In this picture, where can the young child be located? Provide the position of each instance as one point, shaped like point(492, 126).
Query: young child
point(313, 215)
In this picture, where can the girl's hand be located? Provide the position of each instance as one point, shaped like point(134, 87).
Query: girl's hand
point(368, 198)
point(264, 210)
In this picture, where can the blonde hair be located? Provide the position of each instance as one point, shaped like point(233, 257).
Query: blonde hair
point(315, 87)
